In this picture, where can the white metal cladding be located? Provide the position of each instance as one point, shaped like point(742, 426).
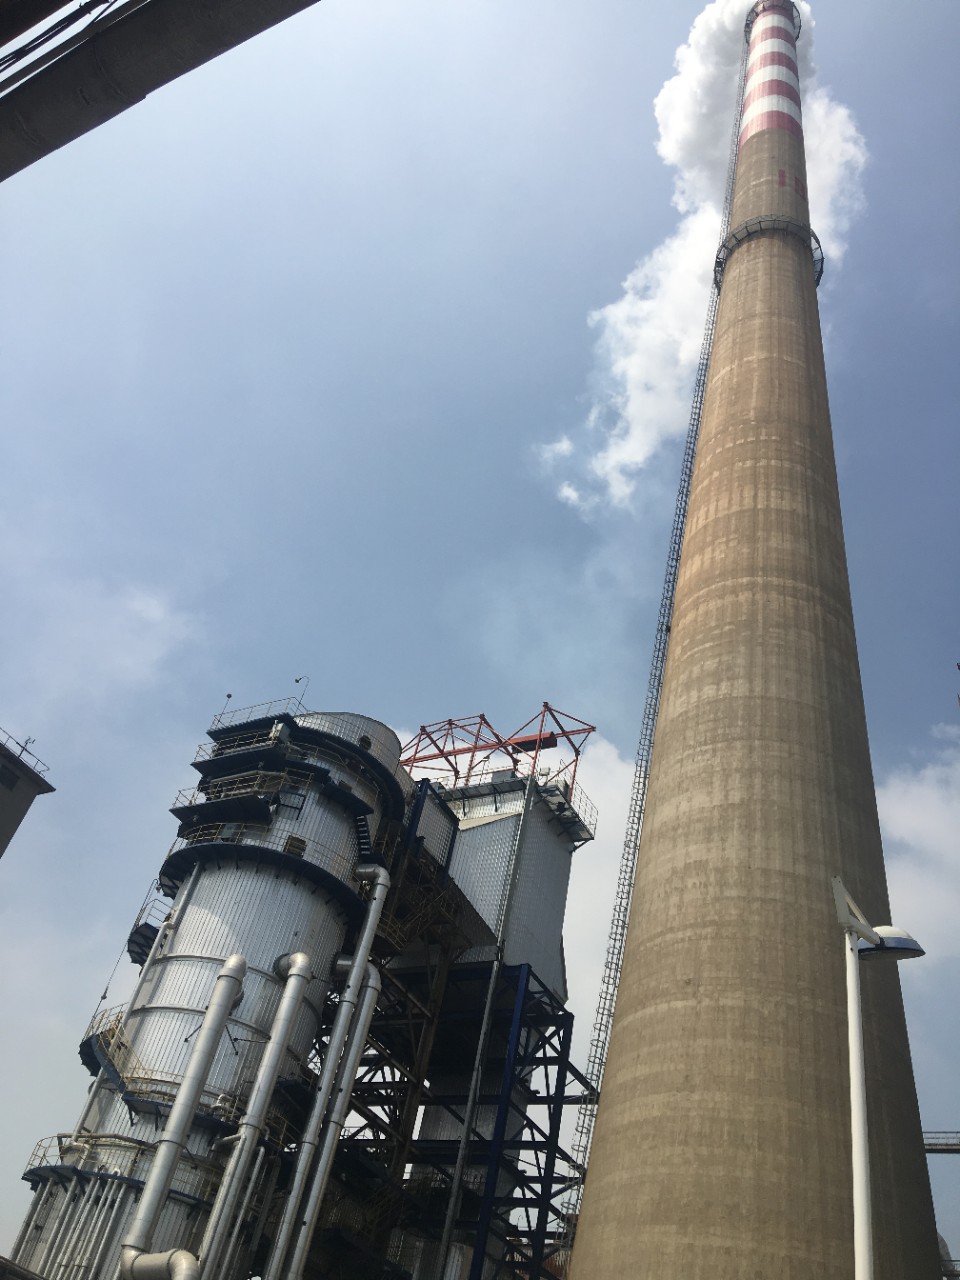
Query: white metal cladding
point(488, 803)
point(538, 901)
point(63, 1241)
point(117, 1131)
point(480, 864)
point(329, 831)
point(263, 914)
point(161, 1033)
point(436, 827)
point(384, 745)
point(257, 910)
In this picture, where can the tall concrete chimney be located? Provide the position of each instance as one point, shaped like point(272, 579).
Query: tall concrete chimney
point(722, 1146)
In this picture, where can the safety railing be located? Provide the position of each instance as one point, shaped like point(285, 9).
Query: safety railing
point(238, 742)
point(154, 912)
point(124, 1157)
point(260, 711)
point(578, 801)
point(107, 1029)
point(242, 784)
point(22, 752)
point(250, 833)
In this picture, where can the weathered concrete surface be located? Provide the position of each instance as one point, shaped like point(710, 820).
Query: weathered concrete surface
point(722, 1141)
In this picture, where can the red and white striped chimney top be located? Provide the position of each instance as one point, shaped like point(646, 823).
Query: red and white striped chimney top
point(771, 92)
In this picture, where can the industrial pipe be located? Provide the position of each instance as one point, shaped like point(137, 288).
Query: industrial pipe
point(365, 872)
point(135, 1260)
point(96, 1228)
point(84, 1210)
point(234, 1240)
point(299, 974)
point(39, 1200)
point(116, 1215)
point(176, 1264)
point(340, 1106)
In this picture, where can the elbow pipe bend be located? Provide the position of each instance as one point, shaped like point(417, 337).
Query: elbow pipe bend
point(372, 871)
point(295, 964)
point(175, 1264)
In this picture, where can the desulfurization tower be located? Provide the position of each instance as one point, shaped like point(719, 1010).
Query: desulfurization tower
point(722, 1141)
point(347, 1052)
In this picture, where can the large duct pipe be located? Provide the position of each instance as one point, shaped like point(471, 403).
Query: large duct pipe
point(340, 1106)
point(299, 974)
point(119, 65)
point(135, 1260)
point(18, 16)
point(365, 872)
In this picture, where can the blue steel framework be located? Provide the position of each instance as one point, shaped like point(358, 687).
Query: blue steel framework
point(538, 1047)
point(514, 1223)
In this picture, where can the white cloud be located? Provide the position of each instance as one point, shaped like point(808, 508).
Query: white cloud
point(920, 816)
point(550, 453)
point(648, 340)
point(105, 638)
point(84, 641)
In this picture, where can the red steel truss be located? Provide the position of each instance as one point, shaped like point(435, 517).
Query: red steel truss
point(457, 749)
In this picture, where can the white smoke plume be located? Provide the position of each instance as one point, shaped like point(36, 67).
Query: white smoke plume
point(648, 340)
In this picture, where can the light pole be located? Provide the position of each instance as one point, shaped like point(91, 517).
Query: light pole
point(869, 941)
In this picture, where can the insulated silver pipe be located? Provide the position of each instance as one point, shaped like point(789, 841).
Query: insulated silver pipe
point(64, 1220)
point(370, 873)
point(134, 1257)
point(299, 974)
point(39, 1199)
point(242, 1212)
point(339, 1107)
point(106, 1239)
point(64, 1262)
point(93, 1236)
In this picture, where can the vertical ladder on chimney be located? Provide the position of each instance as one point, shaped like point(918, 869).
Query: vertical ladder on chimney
point(583, 1133)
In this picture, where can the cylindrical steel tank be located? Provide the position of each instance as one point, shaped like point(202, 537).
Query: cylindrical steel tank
point(288, 804)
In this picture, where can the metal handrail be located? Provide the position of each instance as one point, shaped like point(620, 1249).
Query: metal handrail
point(242, 784)
point(763, 225)
point(259, 711)
point(237, 742)
point(23, 753)
point(249, 833)
point(50, 1152)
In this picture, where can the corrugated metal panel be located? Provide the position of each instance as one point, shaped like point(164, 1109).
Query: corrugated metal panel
point(384, 745)
point(481, 858)
point(479, 806)
point(436, 827)
point(263, 914)
point(539, 899)
point(330, 834)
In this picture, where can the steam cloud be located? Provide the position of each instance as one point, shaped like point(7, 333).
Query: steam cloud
point(648, 340)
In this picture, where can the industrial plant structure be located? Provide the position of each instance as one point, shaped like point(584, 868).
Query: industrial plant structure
point(722, 1144)
point(347, 1053)
point(22, 779)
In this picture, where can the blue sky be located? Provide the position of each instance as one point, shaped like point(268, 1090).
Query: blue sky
point(285, 348)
